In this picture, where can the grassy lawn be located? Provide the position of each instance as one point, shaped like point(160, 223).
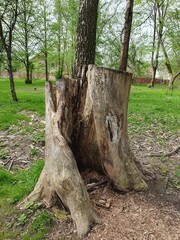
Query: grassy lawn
point(31, 98)
point(157, 107)
point(18, 183)
point(148, 108)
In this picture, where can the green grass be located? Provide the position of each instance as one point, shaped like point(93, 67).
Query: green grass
point(155, 107)
point(38, 227)
point(29, 100)
point(14, 186)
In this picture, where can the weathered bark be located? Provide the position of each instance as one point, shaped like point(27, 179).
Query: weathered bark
point(86, 35)
point(60, 178)
point(126, 36)
point(101, 140)
point(93, 123)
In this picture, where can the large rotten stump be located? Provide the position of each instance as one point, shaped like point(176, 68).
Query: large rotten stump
point(101, 140)
point(86, 125)
point(60, 178)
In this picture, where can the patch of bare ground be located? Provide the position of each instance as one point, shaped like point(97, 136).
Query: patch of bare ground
point(125, 217)
point(23, 143)
point(153, 215)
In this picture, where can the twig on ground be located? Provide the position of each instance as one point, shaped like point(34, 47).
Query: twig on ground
point(166, 182)
point(165, 155)
point(106, 205)
point(11, 163)
point(92, 186)
point(6, 163)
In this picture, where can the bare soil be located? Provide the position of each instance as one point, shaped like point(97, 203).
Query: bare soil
point(154, 215)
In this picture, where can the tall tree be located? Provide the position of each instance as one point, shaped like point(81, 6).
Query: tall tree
point(2, 57)
point(24, 39)
point(86, 39)
point(162, 7)
point(155, 47)
point(64, 34)
point(126, 35)
point(42, 33)
point(60, 31)
point(45, 41)
point(8, 19)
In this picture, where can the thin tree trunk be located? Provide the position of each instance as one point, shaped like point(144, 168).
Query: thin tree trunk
point(45, 43)
point(171, 82)
point(8, 49)
point(46, 66)
point(154, 63)
point(11, 78)
point(27, 65)
point(168, 66)
point(31, 71)
point(27, 62)
point(126, 36)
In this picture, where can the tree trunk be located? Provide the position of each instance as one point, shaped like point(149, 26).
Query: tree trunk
point(31, 66)
point(91, 127)
point(27, 61)
point(86, 35)
point(27, 65)
point(154, 62)
point(126, 36)
point(168, 66)
point(101, 139)
point(11, 79)
point(171, 82)
point(46, 65)
point(60, 178)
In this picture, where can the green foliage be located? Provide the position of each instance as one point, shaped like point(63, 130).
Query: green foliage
point(58, 74)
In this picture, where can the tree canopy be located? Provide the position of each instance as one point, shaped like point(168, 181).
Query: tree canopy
point(45, 33)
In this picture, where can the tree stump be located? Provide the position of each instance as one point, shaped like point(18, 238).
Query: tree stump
point(86, 126)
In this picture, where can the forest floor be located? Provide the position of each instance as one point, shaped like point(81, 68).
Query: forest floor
point(154, 215)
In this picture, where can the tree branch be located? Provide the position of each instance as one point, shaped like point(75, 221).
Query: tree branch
point(164, 155)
